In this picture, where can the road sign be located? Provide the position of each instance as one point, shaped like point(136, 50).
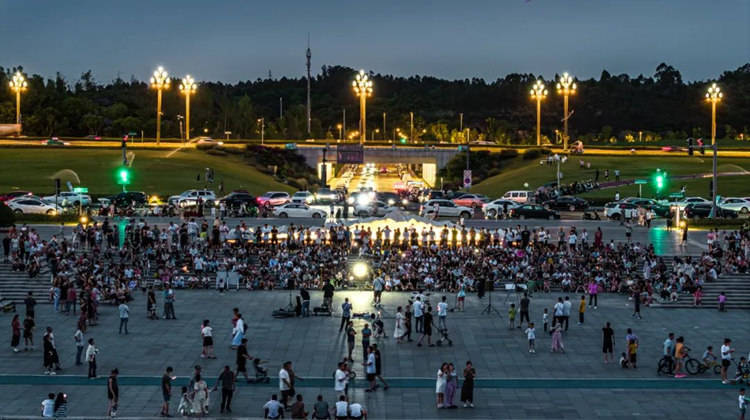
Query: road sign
point(350, 153)
point(467, 178)
point(641, 182)
point(80, 190)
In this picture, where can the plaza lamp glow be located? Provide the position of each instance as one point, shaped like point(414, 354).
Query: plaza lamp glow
point(187, 88)
point(360, 269)
point(18, 84)
point(159, 81)
point(714, 96)
point(362, 86)
point(566, 86)
point(538, 92)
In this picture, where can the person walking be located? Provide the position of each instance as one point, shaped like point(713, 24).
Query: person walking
point(442, 309)
point(557, 343)
point(608, 343)
point(418, 315)
point(426, 328)
point(399, 331)
point(637, 303)
point(726, 359)
point(227, 380)
point(366, 334)
point(208, 341)
point(28, 333)
point(581, 309)
point(238, 331)
point(593, 294)
point(351, 335)
point(632, 343)
point(91, 354)
point(285, 384)
point(51, 358)
point(440, 383)
point(524, 309)
point(467, 389)
point(379, 366)
point(567, 306)
point(166, 391)
point(15, 326)
point(113, 393)
point(78, 339)
point(242, 358)
point(169, 299)
point(531, 336)
point(370, 368)
point(124, 316)
point(346, 314)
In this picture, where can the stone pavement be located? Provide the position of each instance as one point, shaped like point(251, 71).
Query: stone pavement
point(515, 384)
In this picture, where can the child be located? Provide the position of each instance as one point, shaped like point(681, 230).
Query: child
point(632, 350)
point(185, 408)
point(545, 319)
point(581, 309)
point(512, 315)
point(742, 370)
point(743, 403)
point(722, 301)
point(530, 334)
point(698, 296)
point(557, 344)
point(624, 361)
point(709, 358)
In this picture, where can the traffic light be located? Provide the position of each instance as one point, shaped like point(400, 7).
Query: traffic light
point(123, 176)
point(660, 181)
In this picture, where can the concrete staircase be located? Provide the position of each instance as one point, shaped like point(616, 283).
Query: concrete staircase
point(15, 285)
point(735, 286)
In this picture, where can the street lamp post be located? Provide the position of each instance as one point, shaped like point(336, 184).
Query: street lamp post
point(159, 81)
point(363, 88)
point(538, 92)
point(18, 84)
point(262, 122)
point(565, 86)
point(340, 133)
point(714, 96)
point(187, 88)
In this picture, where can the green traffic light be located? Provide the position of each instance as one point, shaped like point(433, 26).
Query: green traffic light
point(659, 182)
point(124, 176)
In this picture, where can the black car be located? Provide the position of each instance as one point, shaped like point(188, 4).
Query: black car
point(390, 198)
point(237, 199)
point(130, 199)
point(533, 211)
point(567, 202)
point(702, 210)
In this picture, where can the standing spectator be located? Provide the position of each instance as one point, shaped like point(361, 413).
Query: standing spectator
point(418, 309)
point(426, 328)
point(227, 381)
point(238, 331)
point(637, 303)
point(557, 343)
point(467, 390)
point(169, 299)
point(113, 393)
point(369, 365)
point(608, 343)
point(450, 386)
point(531, 336)
point(124, 315)
point(305, 301)
point(399, 331)
point(51, 358)
point(440, 383)
point(567, 306)
point(91, 355)
point(48, 406)
point(366, 334)
point(379, 366)
point(631, 341)
point(442, 314)
point(208, 340)
point(78, 339)
point(285, 383)
point(581, 309)
point(200, 396)
point(242, 358)
point(743, 403)
point(726, 359)
point(593, 294)
point(558, 314)
point(15, 326)
point(346, 314)
point(166, 390)
point(524, 309)
point(30, 302)
point(351, 334)
point(341, 379)
point(28, 333)
point(722, 301)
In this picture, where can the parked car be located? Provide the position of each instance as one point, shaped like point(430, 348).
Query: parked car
point(273, 198)
point(495, 208)
point(649, 204)
point(14, 194)
point(620, 211)
point(701, 210)
point(33, 205)
point(690, 200)
point(470, 200)
point(54, 141)
point(740, 205)
point(237, 199)
point(190, 198)
point(375, 208)
point(298, 210)
point(533, 211)
point(444, 208)
point(519, 196)
point(303, 197)
point(209, 140)
point(69, 198)
point(566, 202)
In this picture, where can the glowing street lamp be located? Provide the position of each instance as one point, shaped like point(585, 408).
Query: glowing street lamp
point(538, 92)
point(363, 88)
point(566, 87)
point(18, 84)
point(714, 96)
point(339, 127)
point(159, 81)
point(187, 88)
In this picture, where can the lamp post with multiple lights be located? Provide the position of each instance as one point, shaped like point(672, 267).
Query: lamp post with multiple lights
point(538, 92)
point(160, 82)
point(18, 84)
point(187, 88)
point(566, 86)
point(714, 96)
point(363, 88)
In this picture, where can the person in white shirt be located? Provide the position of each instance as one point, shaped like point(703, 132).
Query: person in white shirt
point(566, 311)
point(356, 411)
point(124, 315)
point(341, 379)
point(208, 341)
point(285, 384)
point(558, 315)
point(726, 359)
point(48, 406)
point(273, 409)
point(418, 314)
point(342, 408)
point(442, 307)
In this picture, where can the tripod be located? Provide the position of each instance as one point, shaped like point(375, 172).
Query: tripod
point(489, 309)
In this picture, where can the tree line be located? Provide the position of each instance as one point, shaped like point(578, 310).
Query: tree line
point(612, 108)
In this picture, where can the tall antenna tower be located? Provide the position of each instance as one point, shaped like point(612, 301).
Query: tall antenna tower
point(309, 55)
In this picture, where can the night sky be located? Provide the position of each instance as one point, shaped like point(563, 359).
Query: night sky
point(231, 40)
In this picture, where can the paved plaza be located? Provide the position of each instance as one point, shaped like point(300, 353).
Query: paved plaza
point(511, 382)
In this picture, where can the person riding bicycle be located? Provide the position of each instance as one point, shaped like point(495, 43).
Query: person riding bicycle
point(669, 351)
point(709, 358)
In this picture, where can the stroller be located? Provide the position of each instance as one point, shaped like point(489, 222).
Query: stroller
point(444, 337)
point(261, 372)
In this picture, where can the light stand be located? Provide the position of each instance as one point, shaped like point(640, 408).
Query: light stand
point(489, 309)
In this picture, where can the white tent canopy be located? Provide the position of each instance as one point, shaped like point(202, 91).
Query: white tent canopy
point(399, 220)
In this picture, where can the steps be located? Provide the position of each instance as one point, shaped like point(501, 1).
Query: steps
point(14, 286)
point(735, 286)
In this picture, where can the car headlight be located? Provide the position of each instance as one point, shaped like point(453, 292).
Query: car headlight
point(391, 202)
point(404, 201)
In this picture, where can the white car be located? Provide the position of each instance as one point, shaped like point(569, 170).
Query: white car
point(33, 205)
point(374, 208)
point(303, 197)
point(298, 210)
point(690, 200)
point(495, 208)
point(618, 210)
point(190, 198)
point(208, 140)
point(69, 198)
point(444, 208)
point(740, 205)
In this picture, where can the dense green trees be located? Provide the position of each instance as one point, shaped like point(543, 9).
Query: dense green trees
point(612, 108)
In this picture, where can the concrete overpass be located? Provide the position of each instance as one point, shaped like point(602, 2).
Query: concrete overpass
point(431, 159)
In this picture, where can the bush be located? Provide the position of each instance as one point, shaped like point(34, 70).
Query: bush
point(7, 218)
point(530, 154)
point(508, 153)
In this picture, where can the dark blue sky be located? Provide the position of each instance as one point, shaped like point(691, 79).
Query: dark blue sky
point(232, 40)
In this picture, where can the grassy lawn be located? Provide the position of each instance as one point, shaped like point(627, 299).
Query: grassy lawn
point(152, 172)
point(531, 172)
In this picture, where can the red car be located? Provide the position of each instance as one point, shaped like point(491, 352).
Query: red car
point(470, 200)
point(11, 195)
point(273, 199)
